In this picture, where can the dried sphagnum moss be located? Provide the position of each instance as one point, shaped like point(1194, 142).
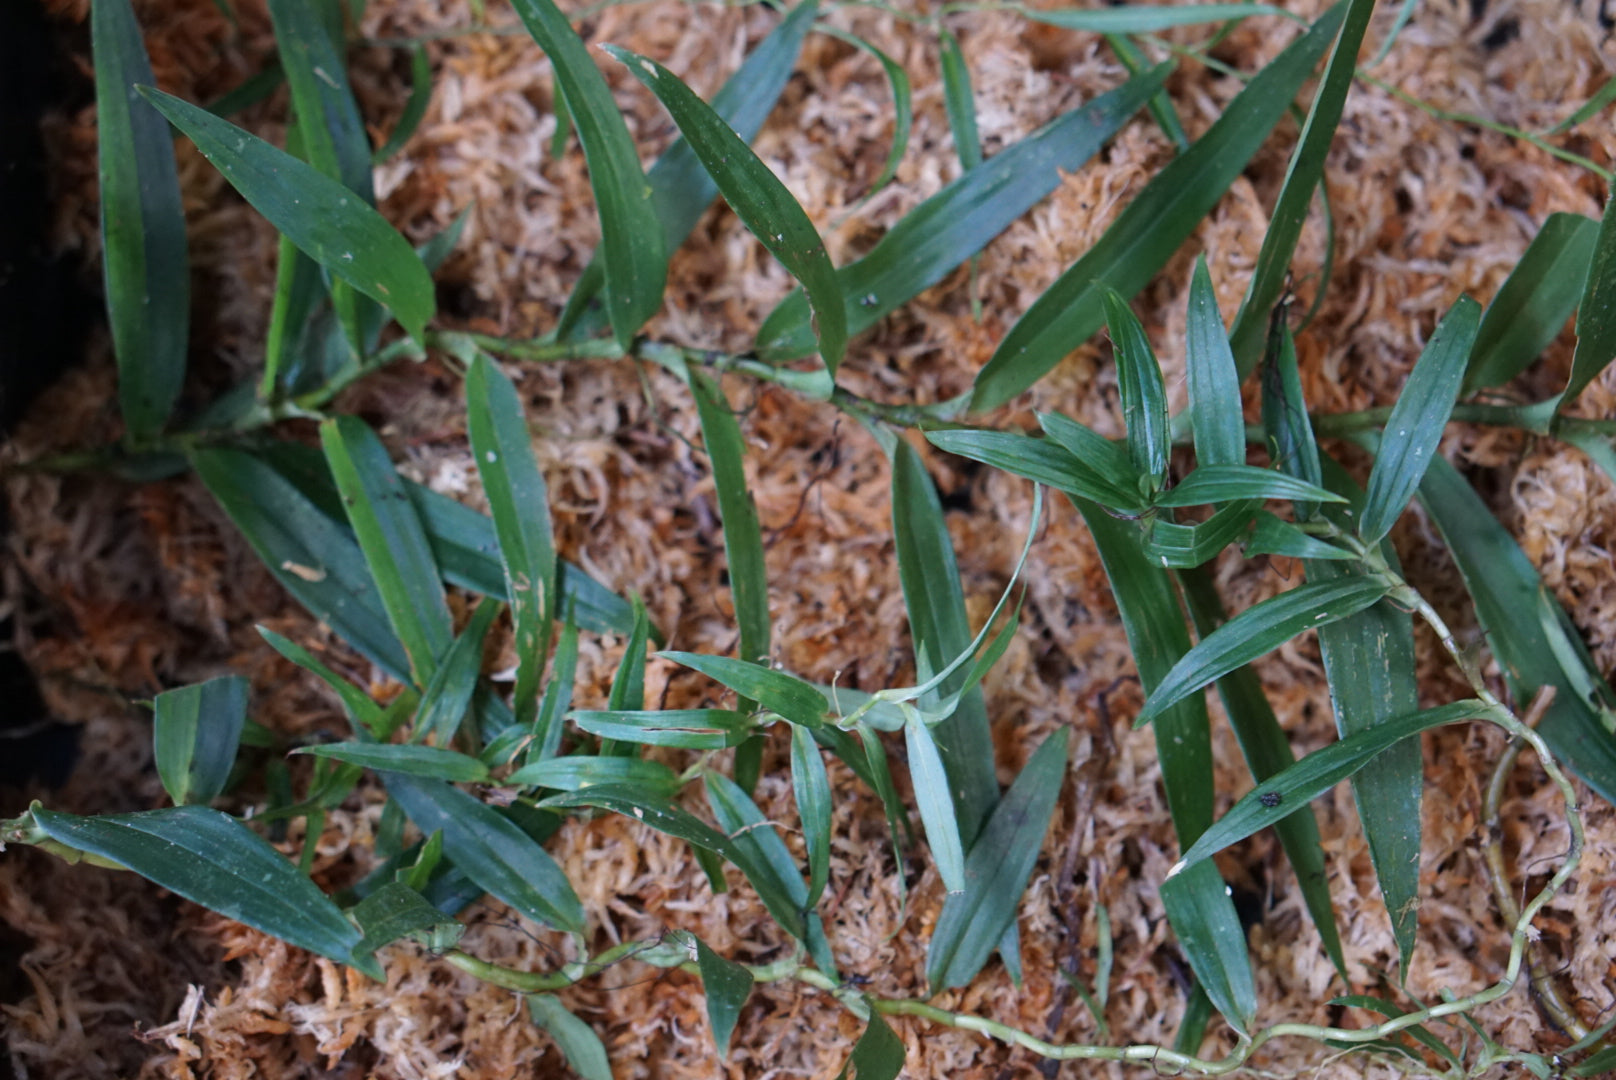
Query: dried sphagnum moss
point(122, 590)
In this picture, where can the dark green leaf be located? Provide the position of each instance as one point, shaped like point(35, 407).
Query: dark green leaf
point(1532, 306)
point(1291, 445)
point(1303, 175)
point(1161, 104)
point(1168, 543)
point(1145, 19)
point(196, 730)
point(250, 91)
point(628, 685)
point(502, 859)
point(1227, 483)
point(1144, 397)
point(448, 695)
point(1041, 461)
point(951, 226)
point(727, 985)
point(520, 504)
point(143, 246)
point(1315, 774)
point(635, 260)
point(1107, 458)
point(1506, 587)
point(959, 100)
point(693, 729)
point(414, 108)
point(811, 785)
point(648, 807)
point(758, 198)
point(743, 537)
point(878, 1055)
point(776, 691)
point(1213, 942)
point(1152, 227)
point(334, 138)
point(1598, 1064)
point(1215, 411)
point(680, 186)
point(390, 534)
point(216, 861)
point(557, 696)
point(331, 224)
point(1258, 630)
point(973, 921)
point(1275, 537)
point(395, 911)
point(757, 849)
point(903, 110)
point(1267, 751)
point(429, 761)
point(1596, 313)
point(577, 771)
point(313, 557)
point(577, 1041)
point(1415, 425)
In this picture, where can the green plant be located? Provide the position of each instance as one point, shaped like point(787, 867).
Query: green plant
point(369, 553)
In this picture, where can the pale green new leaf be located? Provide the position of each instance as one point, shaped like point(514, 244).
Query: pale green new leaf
point(935, 803)
point(214, 860)
point(144, 260)
point(327, 221)
point(758, 198)
point(195, 733)
point(1415, 425)
point(632, 249)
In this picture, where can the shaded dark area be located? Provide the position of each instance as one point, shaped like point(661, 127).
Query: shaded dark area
point(44, 315)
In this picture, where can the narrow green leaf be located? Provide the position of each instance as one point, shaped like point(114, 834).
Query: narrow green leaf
point(1415, 425)
point(810, 784)
point(1275, 537)
point(314, 558)
point(1532, 305)
point(1144, 397)
point(144, 258)
point(974, 920)
point(1596, 313)
point(1291, 445)
point(428, 761)
point(1145, 19)
point(776, 691)
point(757, 849)
point(743, 537)
point(1227, 483)
point(1161, 104)
point(1505, 587)
point(1267, 751)
point(414, 108)
point(1405, 12)
point(1213, 942)
point(692, 729)
point(878, 1055)
point(650, 808)
point(1152, 227)
point(557, 696)
point(390, 535)
point(680, 187)
point(941, 630)
point(951, 226)
point(316, 73)
point(578, 771)
point(903, 110)
point(577, 1041)
point(1169, 544)
point(331, 224)
point(1214, 390)
point(520, 504)
point(1597, 1064)
point(757, 196)
point(935, 802)
point(959, 100)
point(1107, 458)
point(250, 91)
point(1259, 630)
point(490, 850)
point(727, 986)
point(1315, 774)
point(214, 860)
point(1041, 461)
point(396, 911)
point(635, 260)
point(1589, 109)
point(1303, 175)
point(448, 696)
point(195, 732)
